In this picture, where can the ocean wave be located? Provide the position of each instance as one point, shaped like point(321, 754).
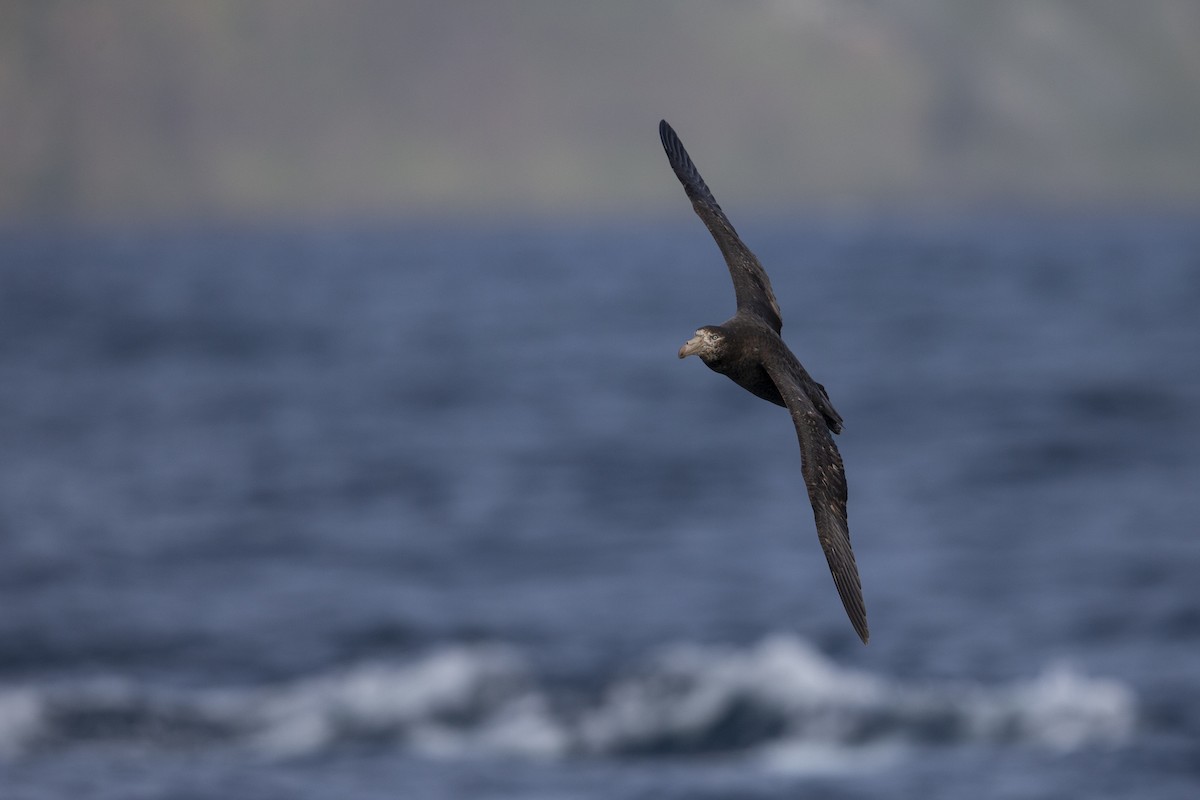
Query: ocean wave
point(780, 701)
point(782, 693)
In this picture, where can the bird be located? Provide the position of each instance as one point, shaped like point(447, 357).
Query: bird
point(749, 350)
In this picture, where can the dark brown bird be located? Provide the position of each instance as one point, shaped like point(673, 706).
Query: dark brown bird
point(747, 348)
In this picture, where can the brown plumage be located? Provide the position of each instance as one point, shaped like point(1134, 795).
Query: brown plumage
point(748, 349)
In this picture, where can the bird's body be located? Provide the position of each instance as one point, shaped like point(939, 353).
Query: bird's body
point(748, 349)
point(739, 359)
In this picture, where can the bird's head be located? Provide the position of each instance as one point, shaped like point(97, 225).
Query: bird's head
point(708, 343)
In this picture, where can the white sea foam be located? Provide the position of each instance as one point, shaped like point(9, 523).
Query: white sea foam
point(780, 702)
point(449, 702)
point(693, 692)
point(783, 697)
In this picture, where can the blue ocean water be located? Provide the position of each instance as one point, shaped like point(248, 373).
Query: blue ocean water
point(436, 512)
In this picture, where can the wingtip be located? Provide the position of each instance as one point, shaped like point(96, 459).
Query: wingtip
point(858, 619)
point(852, 601)
point(677, 154)
point(666, 133)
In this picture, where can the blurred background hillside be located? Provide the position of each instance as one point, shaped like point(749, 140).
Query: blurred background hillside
point(228, 109)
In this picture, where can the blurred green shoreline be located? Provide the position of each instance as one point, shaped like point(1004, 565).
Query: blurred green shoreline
point(118, 111)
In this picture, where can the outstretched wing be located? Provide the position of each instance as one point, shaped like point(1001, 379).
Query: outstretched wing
point(750, 282)
point(825, 478)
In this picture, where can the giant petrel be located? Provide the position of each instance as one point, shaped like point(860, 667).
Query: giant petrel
point(748, 349)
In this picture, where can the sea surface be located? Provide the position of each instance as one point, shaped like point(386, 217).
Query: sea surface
point(423, 511)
